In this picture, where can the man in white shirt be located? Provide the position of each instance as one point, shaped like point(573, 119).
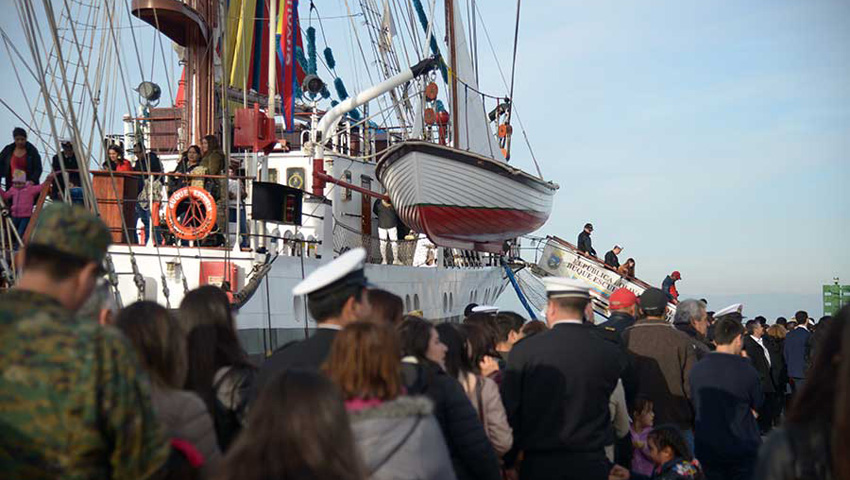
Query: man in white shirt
point(759, 355)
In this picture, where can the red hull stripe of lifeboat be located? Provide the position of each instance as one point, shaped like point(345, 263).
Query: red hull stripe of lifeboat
point(477, 224)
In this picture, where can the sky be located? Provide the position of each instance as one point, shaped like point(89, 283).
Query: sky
point(711, 138)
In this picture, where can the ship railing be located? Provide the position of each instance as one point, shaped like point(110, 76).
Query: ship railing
point(347, 238)
point(456, 258)
point(119, 213)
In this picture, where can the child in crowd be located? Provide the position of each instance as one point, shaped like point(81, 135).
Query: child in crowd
point(642, 420)
point(671, 456)
point(22, 195)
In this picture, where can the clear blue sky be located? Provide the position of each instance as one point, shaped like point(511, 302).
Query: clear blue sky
point(708, 137)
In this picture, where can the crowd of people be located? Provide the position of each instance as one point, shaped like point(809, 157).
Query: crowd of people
point(90, 391)
point(21, 172)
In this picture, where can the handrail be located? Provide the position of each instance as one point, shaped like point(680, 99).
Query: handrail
point(170, 174)
point(598, 262)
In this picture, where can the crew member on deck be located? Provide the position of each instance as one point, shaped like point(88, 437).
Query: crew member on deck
point(387, 228)
point(584, 244)
point(669, 286)
point(611, 259)
point(336, 296)
point(556, 390)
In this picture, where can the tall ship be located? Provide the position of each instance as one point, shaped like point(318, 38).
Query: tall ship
point(303, 165)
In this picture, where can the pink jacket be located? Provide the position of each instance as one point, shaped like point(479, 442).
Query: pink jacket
point(22, 199)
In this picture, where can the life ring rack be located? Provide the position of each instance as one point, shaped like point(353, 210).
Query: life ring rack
point(197, 219)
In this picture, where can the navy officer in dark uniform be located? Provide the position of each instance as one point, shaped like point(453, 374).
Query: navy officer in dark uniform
point(336, 296)
point(556, 390)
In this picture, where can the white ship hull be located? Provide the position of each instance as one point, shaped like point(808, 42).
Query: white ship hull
point(272, 316)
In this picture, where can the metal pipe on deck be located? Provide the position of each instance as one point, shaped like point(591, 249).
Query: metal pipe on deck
point(331, 118)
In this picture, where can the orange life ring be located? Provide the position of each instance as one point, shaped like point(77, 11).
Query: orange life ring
point(199, 217)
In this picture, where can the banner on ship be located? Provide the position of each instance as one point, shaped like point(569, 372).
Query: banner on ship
point(563, 260)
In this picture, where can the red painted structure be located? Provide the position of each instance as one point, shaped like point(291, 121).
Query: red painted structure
point(252, 128)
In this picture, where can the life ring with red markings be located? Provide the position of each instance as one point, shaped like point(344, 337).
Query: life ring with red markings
point(198, 218)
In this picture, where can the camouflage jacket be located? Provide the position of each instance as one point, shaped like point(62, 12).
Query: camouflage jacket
point(74, 402)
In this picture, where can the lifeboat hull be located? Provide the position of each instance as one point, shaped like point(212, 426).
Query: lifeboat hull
point(460, 199)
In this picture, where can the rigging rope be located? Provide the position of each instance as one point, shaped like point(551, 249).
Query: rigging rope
point(516, 42)
point(513, 104)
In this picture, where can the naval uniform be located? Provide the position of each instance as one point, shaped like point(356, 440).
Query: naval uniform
point(612, 329)
point(309, 353)
point(556, 390)
point(345, 271)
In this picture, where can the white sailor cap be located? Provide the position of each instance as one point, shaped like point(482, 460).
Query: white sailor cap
point(734, 308)
point(562, 287)
point(485, 309)
point(345, 270)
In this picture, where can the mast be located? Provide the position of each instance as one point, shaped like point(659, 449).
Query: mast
point(450, 31)
point(272, 58)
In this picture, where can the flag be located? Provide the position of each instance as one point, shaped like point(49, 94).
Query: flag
point(291, 74)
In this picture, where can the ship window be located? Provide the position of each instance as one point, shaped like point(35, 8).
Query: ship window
point(273, 175)
point(416, 301)
point(346, 193)
point(451, 301)
point(445, 303)
point(487, 296)
point(407, 303)
point(471, 296)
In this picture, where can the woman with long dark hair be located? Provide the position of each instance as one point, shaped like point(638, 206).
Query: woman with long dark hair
point(627, 269)
point(162, 351)
point(190, 161)
point(115, 160)
point(213, 157)
point(774, 340)
point(214, 161)
point(20, 155)
point(397, 434)
point(219, 370)
point(297, 429)
point(463, 358)
point(423, 357)
point(815, 441)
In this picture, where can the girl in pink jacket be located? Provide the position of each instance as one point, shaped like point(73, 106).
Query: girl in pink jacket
point(22, 194)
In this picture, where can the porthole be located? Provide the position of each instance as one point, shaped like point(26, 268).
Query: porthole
point(416, 301)
point(445, 303)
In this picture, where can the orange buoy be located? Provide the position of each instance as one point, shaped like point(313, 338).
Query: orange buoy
point(505, 129)
point(429, 116)
point(197, 218)
point(431, 92)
